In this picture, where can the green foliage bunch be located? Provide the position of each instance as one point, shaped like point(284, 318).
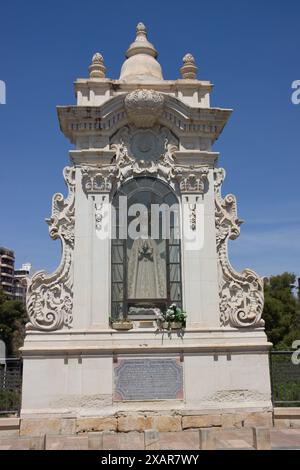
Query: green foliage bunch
point(12, 324)
point(282, 311)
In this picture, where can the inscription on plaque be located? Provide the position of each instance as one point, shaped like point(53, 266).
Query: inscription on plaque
point(148, 379)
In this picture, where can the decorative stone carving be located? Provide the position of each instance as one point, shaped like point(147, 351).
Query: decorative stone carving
point(50, 297)
point(98, 180)
point(241, 295)
point(159, 159)
point(193, 179)
point(144, 107)
point(97, 68)
point(99, 215)
point(193, 216)
point(189, 69)
point(238, 396)
point(145, 146)
point(155, 157)
point(184, 121)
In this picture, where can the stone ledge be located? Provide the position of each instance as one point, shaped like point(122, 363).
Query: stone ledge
point(206, 438)
point(134, 423)
point(198, 422)
point(287, 413)
point(287, 418)
point(41, 426)
point(211, 348)
point(9, 423)
point(22, 443)
point(287, 423)
point(174, 421)
point(160, 423)
point(96, 424)
point(9, 427)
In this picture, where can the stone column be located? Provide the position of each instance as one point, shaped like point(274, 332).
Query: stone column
point(100, 266)
point(199, 255)
point(82, 257)
point(92, 248)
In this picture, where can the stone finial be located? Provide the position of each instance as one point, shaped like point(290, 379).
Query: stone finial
point(141, 45)
point(141, 32)
point(141, 63)
point(97, 68)
point(189, 68)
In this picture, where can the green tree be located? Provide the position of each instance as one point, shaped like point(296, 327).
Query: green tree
point(282, 311)
point(12, 324)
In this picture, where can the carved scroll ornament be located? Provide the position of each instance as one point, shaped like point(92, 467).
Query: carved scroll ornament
point(241, 294)
point(50, 297)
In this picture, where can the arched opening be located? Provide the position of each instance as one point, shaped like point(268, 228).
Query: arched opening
point(146, 249)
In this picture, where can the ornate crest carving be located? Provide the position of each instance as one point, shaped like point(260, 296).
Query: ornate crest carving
point(144, 107)
point(50, 297)
point(144, 153)
point(158, 161)
point(155, 157)
point(241, 294)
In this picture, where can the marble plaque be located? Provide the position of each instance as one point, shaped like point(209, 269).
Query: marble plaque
point(148, 379)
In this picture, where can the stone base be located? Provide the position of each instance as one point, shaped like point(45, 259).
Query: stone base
point(140, 422)
point(9, 426)
point(69, 387)
point(74, 373)
point(285, 418)
point(204, 439)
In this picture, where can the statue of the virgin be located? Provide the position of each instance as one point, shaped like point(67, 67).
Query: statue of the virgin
point(146, 270)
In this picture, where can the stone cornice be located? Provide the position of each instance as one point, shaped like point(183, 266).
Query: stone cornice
point(111, 116)
point(256, 334)
point(121, 86)
point(191, 157)
point(211, 348)
point(91, 157)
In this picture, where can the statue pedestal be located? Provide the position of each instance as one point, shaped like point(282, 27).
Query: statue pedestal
point(99, 373)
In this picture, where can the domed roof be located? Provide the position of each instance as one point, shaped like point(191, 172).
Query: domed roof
point(141, 63)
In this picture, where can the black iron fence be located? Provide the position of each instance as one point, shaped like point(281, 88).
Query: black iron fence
point(10, 386)
point(285, 378)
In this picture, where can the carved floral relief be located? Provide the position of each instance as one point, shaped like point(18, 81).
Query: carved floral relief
point(50, 297)
point(241, 294)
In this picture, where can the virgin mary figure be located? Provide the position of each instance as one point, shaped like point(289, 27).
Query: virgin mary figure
point(146, 270)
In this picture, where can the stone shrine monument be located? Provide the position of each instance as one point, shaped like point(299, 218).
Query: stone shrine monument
point(97, 343)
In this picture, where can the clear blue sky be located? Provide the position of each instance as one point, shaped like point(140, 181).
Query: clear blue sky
point(249, 49)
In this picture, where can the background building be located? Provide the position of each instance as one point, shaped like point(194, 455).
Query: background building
point(13, 282)
point(20, 282)
point(7, 265)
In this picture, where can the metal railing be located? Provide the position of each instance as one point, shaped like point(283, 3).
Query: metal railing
point(285, 379)
point(10, 386)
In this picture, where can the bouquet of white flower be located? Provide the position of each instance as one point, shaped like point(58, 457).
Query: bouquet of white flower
point(173, 318)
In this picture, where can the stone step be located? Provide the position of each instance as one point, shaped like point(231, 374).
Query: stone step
point(205, 439)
